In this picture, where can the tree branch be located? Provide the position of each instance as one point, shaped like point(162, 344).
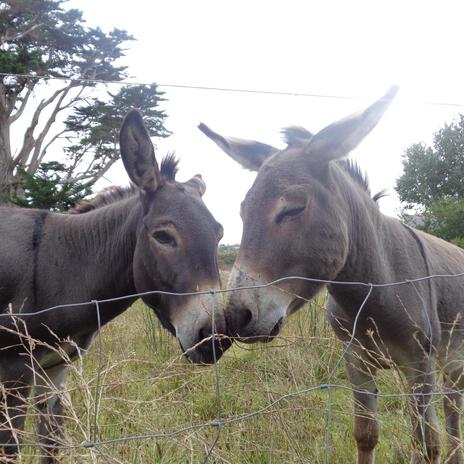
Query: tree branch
point(52, 140)
point(97, 175)
point(3, 100)
point(110, 160)
point(22, 106)
point(29, 142)
point(77, 160)
point(20, 35)
point(34, 161)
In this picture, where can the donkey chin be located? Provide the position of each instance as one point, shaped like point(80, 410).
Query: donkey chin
point(200, 329)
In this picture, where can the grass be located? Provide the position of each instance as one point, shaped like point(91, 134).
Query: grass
point(147, 387)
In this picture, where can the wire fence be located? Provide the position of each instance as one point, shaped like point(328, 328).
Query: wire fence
point(220, 422)
point(328, 386)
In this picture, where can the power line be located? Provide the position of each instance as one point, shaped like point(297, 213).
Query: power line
point(224, 89)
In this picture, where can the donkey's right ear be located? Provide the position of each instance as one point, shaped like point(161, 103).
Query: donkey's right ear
point(137, 153)
point(250, 154)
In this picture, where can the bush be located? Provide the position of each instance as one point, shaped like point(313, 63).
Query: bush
point(227, 256)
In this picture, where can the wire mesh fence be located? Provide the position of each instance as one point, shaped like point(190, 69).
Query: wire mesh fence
point(296, 384)
point(133, 398)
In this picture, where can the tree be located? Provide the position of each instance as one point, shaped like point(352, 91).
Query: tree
point(46, 188)
point(95, 130)
point(41, 44)
point(432, 183)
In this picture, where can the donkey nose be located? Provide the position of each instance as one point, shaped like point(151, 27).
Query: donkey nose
point(240, 318)
point(205, 332)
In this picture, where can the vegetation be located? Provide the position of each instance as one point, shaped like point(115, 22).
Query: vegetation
point(432, 186)
point(227, 255)
point(147, 387)
point(49, 62)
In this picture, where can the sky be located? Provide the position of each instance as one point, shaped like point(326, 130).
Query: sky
point(356, 49)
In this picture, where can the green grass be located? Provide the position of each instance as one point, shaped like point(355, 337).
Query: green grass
point(147, 387)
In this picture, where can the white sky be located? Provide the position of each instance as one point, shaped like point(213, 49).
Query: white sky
point(354, 48)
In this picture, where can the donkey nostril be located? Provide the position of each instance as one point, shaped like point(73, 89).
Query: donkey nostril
point(205, 332)
point(243, 317)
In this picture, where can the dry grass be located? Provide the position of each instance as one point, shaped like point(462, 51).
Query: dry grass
point(147, 387)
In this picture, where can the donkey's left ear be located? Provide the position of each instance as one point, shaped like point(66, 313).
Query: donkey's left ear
point(197, 183)
point(137, 153)
point(338, 139)
point(250, 154)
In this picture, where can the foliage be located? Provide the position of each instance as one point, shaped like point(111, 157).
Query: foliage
point(445, 218)
point(432, 184)
point(45, 189)
point(458, 241)
point(227, 255)
point(39, 41)
point(95, 127)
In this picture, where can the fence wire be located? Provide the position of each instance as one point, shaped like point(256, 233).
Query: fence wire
point(206, 88)
point(95, 443)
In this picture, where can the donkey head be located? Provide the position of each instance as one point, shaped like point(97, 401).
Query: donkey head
point(295, 220)
point(176, 248)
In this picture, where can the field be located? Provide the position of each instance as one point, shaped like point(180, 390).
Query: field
point(146, 387)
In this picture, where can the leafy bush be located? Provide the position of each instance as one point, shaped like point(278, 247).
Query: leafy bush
point(227, 255)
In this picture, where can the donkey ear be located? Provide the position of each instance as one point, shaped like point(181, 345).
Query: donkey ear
point(250, 154)
point(137, 153)
point(338, 139)
point(197, 183)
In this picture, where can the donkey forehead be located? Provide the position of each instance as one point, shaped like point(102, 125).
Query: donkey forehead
point(285, 169)
point(181, 204)
point(174, 192)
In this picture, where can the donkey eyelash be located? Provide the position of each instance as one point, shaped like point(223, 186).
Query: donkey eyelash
point(164, 238)
point(289, 213)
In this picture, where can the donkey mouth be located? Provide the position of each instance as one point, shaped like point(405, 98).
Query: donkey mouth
point(274, 332)
point(253, 338)
point(276, 329)
point(208, 351)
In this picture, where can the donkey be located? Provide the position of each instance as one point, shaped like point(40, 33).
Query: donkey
point(159, 237)
point(308, 214)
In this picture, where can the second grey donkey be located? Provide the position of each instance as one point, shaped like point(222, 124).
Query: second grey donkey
point(309, 213)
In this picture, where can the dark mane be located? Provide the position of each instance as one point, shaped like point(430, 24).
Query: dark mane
point(105, 197)
point(355, 172)
point(352, 168)
point(169, 167)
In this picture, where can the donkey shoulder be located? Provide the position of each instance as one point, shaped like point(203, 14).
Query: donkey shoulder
point(443, 256)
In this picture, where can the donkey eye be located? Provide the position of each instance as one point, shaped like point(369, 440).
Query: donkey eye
point(289, 213)
point(164, 238)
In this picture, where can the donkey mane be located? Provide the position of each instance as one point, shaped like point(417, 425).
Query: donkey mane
point(107, 196)
point(112, 194)
point(355, 172)
point(169, 167)
point(353, 169)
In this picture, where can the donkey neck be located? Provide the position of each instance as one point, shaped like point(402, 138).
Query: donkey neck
point(381, 249)
point(101, 246)
point(369, 234)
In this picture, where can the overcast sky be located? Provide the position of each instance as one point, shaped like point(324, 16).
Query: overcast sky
point(354, 48)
